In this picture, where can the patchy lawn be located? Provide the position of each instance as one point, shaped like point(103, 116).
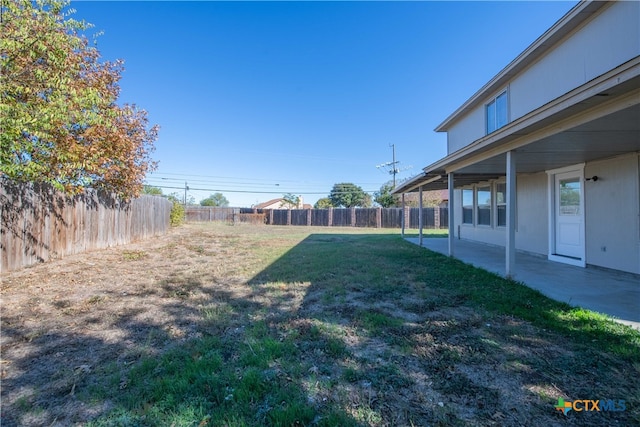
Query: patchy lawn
point(258, 325)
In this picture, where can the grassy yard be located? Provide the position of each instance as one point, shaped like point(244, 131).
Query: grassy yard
point(216, 325)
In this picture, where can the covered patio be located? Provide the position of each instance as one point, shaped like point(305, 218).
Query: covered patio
point(596, 129)
point(610, 292)
point(543, 165)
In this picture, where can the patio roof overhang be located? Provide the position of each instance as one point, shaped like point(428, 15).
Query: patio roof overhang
point(598, 120)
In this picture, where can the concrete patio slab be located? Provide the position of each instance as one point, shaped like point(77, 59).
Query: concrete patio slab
point(616, 294)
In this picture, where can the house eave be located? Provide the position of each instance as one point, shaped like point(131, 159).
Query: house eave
point(565, 25)
point(481, 159)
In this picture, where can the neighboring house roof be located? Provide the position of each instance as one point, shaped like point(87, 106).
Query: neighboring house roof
point(270, 204)
point(278, 203)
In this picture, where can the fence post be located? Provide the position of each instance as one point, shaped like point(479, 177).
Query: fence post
point(379, 218)
point(420, 215)
point(236, 216)
point(288, 216)
point(353, 217)
point(308, 217)
point(403, 216)
point(436, 217)
point(407, 216)
point(330, 217)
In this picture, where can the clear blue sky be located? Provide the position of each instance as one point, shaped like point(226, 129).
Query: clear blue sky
point(259, 99)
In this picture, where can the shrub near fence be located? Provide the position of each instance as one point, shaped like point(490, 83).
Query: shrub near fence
point(39, 223)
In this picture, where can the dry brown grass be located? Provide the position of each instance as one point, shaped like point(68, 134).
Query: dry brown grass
point(370, 339)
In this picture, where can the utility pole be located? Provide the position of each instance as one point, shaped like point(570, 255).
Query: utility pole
point(392, 165)
point(186, 188)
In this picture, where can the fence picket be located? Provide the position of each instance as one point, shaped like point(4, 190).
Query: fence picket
point(39, 223)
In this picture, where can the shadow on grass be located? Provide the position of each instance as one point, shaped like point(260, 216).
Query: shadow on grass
point(448, 343)
point(342, 329)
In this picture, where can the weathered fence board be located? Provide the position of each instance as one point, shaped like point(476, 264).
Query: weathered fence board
point(39, 223)
point(320, 217)
point(392, 218)
point(367, 217)
point(298, 217)
point(341, 217)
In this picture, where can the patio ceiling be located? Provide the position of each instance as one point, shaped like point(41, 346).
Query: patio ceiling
point(606, 137)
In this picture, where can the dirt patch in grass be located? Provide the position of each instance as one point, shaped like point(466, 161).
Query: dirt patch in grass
point(247, 325)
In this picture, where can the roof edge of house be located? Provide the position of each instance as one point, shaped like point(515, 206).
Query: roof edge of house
point(566, 24)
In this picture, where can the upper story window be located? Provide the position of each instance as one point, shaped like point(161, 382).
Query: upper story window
point(496, 112)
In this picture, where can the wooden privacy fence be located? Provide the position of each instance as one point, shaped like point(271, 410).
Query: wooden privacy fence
point(231, 215)
point(333, 217)
point(39, 223)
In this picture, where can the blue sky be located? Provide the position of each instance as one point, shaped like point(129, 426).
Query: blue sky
point(259, 99)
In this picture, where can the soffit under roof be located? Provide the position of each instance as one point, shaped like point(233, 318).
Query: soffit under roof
point(608, 136)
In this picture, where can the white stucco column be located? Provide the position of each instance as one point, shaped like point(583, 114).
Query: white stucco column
point(451, 215)
point(510, 244)
point(420, 221)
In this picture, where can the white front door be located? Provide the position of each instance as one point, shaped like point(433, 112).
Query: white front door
point(569, 217)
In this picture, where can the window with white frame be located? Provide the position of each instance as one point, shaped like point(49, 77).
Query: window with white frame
point(501, 204)
point(497, 112)
point(483, 205)
point(467, 206)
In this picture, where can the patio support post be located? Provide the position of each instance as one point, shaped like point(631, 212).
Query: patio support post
point(420, 221)
point(510, 246)
point(402, 222)
point(451, 215)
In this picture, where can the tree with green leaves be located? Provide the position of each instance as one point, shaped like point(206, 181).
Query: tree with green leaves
point(384, 198)
point(216, 199)
point(59, 118)
point(151, 190)
point(291, 201)
point(348, 195)
point(323, 203)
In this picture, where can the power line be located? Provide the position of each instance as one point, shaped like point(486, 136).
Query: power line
point(223, 179)
point(240, 187)
point(251, 191)
point(393, 165)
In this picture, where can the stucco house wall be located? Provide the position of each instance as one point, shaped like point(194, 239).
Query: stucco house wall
point(612, 207)
point(531, 217)
point(572, 113)
point(610, 39)
point(612, 220)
